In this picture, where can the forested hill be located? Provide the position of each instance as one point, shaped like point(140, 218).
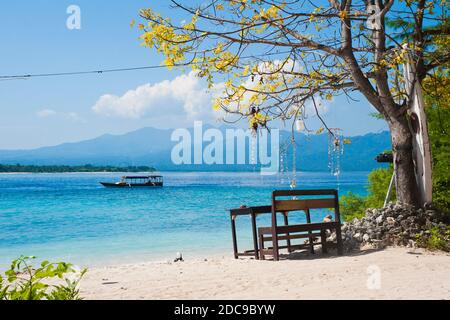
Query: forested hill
point(153, 147)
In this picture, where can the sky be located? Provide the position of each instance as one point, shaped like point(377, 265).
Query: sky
point(37, 112)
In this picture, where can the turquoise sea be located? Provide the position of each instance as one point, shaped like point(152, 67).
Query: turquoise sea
point(71, 217)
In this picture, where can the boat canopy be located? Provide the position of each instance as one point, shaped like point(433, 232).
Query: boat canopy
point(141, 177)
point(152, 178)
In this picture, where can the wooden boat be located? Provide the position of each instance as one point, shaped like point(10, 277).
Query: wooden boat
point(136, 181)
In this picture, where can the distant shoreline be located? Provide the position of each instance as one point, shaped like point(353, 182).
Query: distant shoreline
point(71, 172)
point(169, 171)
point(28, 169)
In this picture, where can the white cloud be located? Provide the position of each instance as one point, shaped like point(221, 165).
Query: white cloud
point(308, 108)
point(322, 107)
point(181, 101)
point(168, 103)
point(72, 116)
point(45, 113)
point(253, 80)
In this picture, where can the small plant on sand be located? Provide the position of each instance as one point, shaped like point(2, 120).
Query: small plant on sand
point(24, 282)
point(435, 238)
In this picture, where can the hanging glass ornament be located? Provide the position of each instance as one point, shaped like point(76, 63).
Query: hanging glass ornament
point(335, 151)
point(293, 184)
point(284, 149)
point(253, 146)
point(300, 125)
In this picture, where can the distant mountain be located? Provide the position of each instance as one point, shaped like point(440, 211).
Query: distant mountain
point(153, 147)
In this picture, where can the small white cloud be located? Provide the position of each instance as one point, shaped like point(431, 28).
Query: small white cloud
point(73, 116)
point(45, 113)
point(171, 103)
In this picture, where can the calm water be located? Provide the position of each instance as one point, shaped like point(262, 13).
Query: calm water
point(72, 217)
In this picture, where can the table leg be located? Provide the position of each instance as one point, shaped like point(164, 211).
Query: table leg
point(255, 236)
point(233, 233)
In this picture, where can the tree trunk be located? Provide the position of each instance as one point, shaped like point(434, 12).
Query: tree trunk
point(402, 147)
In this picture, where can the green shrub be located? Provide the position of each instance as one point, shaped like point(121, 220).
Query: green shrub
point(352, 206)
point(436, 238)
point(439, 131)
point(23, 282)
point(379, 180)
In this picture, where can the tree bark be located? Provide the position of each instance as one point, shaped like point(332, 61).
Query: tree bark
point(402, 147)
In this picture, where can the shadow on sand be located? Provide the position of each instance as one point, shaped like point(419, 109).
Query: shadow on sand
point(332, 254)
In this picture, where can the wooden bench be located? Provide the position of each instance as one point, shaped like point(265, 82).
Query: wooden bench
point(309, 230)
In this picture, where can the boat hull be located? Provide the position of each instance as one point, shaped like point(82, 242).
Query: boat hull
point(132, 185)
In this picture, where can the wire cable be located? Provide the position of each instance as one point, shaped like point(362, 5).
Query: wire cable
point(59, 74)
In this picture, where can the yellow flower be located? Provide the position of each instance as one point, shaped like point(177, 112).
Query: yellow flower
point(343, 14)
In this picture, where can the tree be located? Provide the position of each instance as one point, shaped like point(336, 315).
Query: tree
point(272, 56)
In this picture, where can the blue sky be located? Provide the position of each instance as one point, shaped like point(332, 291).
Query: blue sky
point(48, 111)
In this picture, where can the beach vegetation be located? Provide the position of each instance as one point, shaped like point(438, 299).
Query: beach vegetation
point(435, 238)
point(48, 281)
point(438, 112)
point(354, 206)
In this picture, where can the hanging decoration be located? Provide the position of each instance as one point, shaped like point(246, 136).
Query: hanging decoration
point(254, 121)
point(335, 150)
point(300, 125)
point(288, 148)
point(257, 121)
point(293, 184)
point(253, 150)
point(284, 165)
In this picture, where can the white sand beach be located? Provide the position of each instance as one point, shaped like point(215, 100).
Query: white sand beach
point(393, 273)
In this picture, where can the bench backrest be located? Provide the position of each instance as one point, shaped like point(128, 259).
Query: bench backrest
point(280, 205)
